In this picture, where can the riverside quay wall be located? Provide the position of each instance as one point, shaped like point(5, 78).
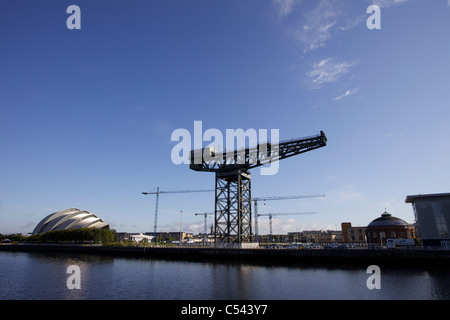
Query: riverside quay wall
point(405, 257)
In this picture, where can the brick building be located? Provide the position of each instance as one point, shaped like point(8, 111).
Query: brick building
point(353, 234)
point(388, 227)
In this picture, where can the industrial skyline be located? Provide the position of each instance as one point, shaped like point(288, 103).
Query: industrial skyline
point(86, 115)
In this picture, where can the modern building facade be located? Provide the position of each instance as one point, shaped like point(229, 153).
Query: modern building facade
point(432, 214)
point(171, 236)
point(69, 219)
point(388, 227)
point(315, 236)
point(136, 237)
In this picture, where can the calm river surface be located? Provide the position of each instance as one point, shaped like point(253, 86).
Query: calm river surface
point(44, 276)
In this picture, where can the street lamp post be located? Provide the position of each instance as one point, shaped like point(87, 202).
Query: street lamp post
point(181, 224)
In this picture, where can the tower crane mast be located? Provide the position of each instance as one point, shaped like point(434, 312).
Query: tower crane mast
point(256, 199)
point(157, 193)
point(205, 214)
point(271, 215)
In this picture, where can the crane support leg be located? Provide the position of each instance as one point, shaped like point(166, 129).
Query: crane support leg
point(233, 212)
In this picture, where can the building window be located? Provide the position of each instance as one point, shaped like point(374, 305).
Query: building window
point(393, 235)
point(374, 235)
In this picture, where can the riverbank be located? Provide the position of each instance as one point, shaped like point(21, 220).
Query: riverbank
point(260, 256)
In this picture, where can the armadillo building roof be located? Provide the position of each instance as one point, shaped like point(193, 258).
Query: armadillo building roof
point(69, 219)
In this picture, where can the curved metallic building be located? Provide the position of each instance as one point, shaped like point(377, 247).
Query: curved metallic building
point(69, 219)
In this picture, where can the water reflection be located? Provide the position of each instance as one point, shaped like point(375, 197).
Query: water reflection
point(43, 276)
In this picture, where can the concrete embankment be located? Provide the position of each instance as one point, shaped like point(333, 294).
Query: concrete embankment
point(260, 256)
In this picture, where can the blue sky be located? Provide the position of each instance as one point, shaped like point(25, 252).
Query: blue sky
point(86, 116)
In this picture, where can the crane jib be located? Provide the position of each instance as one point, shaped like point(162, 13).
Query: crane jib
point(209, 160)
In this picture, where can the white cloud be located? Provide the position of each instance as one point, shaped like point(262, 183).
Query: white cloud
point(314, 23)
point(284, 7)
point(195, 227)
point(393, 134)
point(347, 93)
point(334, 178)
point(349, 196)
point(328, 70)
point(284, 225)
point(391, 205)
point(387, 3)
point(316, 26)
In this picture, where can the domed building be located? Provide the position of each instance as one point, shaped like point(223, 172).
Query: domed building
point(388, 227)
point(69, 219)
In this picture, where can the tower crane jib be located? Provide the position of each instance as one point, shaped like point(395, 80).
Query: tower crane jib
point(157, 193)
point(271, 215)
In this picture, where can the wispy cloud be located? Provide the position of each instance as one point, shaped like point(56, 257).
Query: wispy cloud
point(387, 3)
point(328, 70)
point(312, 26)
point(283, 225)
point(284, 7)
point(351, 196)
point(314, 23)
point(317, 25)
point(392, 134)
point(192, 227)
point(347, 93)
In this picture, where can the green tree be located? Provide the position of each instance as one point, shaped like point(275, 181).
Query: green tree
point(75, 235)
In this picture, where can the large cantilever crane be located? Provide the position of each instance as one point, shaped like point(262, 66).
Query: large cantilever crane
point(271, 215)
point(255, 201)
point(233, 214)
point(155, 225)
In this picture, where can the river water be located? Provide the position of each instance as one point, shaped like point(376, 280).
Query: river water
point(44, 276)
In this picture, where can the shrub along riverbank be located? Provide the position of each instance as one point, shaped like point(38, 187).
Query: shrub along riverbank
point(75, 235)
